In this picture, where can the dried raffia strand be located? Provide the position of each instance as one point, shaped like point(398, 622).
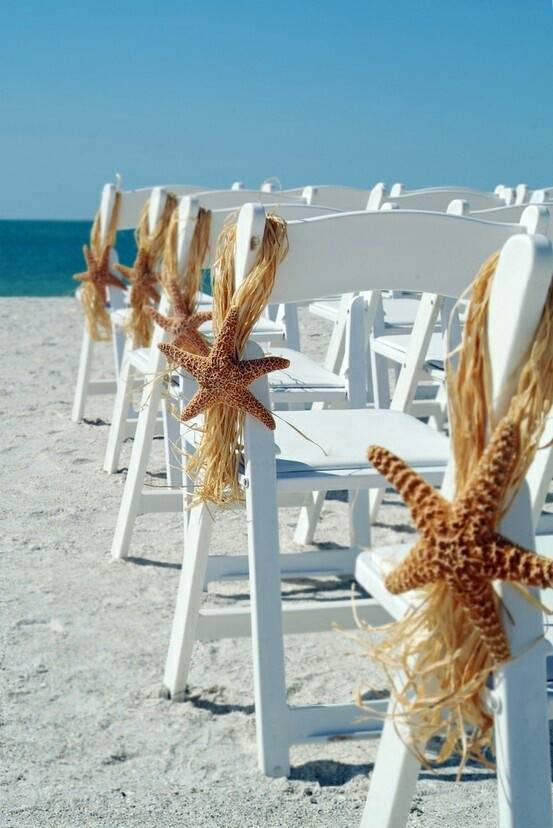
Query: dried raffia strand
point(94, 306)
point(189, 282)
point(143, 274)
point(436, 662)
point(216, 462)
point(183, 289)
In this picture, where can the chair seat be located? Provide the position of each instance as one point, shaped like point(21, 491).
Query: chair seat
point(372, 567)
point(303, 372)
point(395, 347)
point(333, 444)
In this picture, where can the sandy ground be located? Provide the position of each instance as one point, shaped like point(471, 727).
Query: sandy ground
point(85, 739)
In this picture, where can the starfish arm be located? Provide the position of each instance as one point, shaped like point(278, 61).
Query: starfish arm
point(104, 257)
point(125, 271)
point(507, 561)
point(201, 317)
point(113, 281)
point(190, 362)
point(252, 369)
point(203, 399)
point(486, 488)
point(421, 498)
point(416, 571)
point(177, 299)
point(245, 400)
point(480, 604)
point(192, 341)
point(158, 318)
point(153, 294)
point(226, 338)
point(82, 277)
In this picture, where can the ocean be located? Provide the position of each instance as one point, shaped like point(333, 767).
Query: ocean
point(39, 258)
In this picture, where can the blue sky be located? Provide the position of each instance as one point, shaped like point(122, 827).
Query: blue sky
point(312, 91)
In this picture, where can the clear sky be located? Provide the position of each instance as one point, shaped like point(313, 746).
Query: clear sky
point(426, 92)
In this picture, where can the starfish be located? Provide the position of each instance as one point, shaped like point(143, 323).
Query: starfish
point(183, 325)
point(141, 275)
point(222, 377)
point(459, 544)
point(98, 271)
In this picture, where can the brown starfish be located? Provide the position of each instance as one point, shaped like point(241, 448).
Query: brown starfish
point(183, 325)
point(459, 544)
point(222, 377)
point(98, 271)
point(141, 276)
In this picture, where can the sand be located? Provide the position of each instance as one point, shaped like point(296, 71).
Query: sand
point(85, 739)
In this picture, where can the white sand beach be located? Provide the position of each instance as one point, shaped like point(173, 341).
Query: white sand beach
point(86, 739)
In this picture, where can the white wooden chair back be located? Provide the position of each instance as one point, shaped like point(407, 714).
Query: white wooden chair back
point(434, 198)
point(330, 195)
point(363, 247)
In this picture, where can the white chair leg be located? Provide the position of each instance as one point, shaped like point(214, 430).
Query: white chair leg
point(119, 347)
point(83, 377)
point(308, 519)
point(183, 631)
point(393, 782)
point(376, 497)
point(272, 713)
point(522, 743)
point(359, 523)
point(171, 444)
point(118, 425)
point(142, 444)
point(380, 380)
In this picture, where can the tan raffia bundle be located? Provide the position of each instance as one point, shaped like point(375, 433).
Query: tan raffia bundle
point(436, 662)
point(189, 282)
point(216, 461)
point(93, 289)
point(143, 275)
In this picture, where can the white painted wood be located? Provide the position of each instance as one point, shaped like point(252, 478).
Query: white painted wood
point(328, 722)
point(117, 431)
point(292, 564)
point(183, 630)
point(297, 618)
point(171, 445)
point(83, 377)
point(340, 243)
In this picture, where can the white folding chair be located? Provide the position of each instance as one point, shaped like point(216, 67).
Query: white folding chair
point(409, 250)
point(518, 699)
point(303, 383)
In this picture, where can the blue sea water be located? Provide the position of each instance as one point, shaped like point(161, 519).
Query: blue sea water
point(39, 258)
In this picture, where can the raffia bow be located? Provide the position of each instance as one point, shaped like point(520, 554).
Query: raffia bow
point(143, 275)
point(98, 276)
point(215, 464)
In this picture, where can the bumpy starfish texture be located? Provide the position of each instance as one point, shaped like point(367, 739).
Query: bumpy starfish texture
point(222, 378)
point(183, 325)
point(141, 275)
point(459, 544)
point(98, 271)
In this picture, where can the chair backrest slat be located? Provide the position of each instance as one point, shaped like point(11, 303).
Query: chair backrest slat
point(401, 249)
